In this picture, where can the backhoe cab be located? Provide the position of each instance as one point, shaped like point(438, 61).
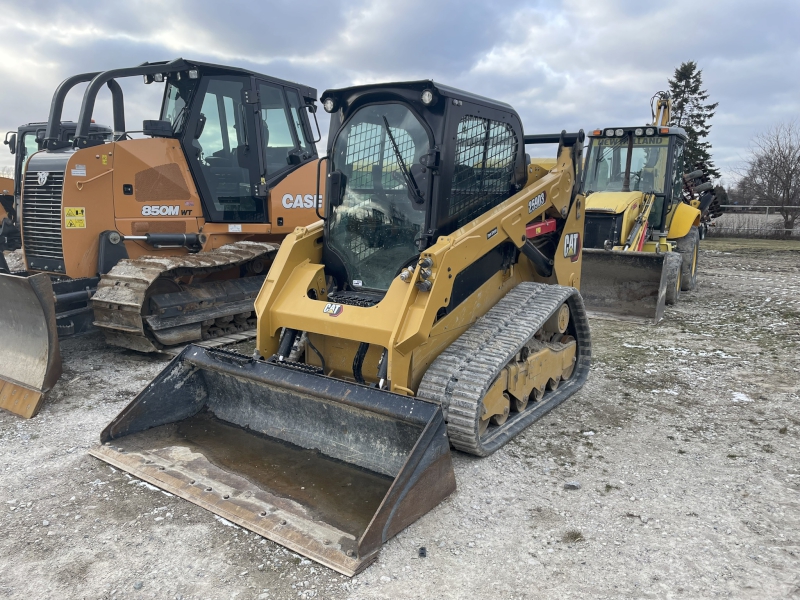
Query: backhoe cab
point(642, 218)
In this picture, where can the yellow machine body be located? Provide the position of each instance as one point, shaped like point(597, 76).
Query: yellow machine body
point(638, 225)
point(350, 367)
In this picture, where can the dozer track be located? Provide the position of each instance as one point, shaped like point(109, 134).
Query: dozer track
point(193, 312)
point(460, 377)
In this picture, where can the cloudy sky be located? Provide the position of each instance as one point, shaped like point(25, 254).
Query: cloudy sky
point(562, 64)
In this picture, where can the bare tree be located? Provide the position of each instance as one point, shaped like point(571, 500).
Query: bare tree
point(772, 173)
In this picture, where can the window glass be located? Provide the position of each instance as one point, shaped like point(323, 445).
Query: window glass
point(275, 128)
point(607, 160)
point(175, 101)
point(227, 163)
point(29, 144)
point(296, 108)
point(377, 226)
point(677, 172)
point(484, 167)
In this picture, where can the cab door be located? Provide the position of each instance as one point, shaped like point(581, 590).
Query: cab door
point(222, 144)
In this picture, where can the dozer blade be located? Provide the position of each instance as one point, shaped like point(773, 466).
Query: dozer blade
point(624, 285)
point(327, 468)
point(30, 361)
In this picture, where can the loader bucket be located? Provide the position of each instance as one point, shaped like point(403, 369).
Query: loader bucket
point(30, 361)
point(327, 468)
point(624, 285)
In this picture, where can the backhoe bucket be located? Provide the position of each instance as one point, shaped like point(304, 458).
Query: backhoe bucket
point(624, 285)
point(30, 361)
point(327, 468)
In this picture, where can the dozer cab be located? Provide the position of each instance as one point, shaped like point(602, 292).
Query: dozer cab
point(417, 315)
point(161, 240)
point(22, 143)
point(642, 219)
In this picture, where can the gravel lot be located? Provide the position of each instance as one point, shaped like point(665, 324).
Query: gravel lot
point(684, 443)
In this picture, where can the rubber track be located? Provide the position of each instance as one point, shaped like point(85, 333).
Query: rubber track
point(122, 292)
point(459, 377)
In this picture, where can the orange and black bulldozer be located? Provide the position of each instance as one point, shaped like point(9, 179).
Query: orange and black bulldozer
point(160, 240)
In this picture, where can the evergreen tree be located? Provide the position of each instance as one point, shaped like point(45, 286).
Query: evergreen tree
point(690, 111)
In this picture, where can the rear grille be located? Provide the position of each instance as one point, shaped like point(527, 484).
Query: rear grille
point(41, 222)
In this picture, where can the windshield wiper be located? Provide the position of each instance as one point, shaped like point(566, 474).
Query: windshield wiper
point(409, 178)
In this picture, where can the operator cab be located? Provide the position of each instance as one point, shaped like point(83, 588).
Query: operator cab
point(656, 166)
point(392, 191)
point(241, 132)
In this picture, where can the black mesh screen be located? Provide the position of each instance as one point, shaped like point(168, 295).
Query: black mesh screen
point(484, 167)
point(369, 150)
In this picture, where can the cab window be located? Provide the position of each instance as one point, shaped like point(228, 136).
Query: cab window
point(224, 155)
point(276, 129)
point(296, 108)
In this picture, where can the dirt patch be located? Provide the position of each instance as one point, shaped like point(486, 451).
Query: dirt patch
point(684, 443)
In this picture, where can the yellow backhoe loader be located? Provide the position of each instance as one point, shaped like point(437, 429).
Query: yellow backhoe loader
point(418, 315)
point(642, 218)
point(161, 240)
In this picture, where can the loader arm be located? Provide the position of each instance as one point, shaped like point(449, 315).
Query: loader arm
point(292, 296)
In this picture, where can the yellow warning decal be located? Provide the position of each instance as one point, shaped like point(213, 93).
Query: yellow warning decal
point(74, 217)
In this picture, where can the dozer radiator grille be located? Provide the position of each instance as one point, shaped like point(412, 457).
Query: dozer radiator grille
point(41, 222)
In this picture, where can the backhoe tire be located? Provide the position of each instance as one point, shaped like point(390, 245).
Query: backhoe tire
point(689, 247)
point(673, 264)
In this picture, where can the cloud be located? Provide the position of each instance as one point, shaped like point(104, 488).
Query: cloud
point(563, 65)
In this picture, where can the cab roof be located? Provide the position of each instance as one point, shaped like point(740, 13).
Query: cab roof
point(345, 95)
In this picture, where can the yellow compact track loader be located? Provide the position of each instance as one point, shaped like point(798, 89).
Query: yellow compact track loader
point(417, 315)
point(161, 240)
point(642, 219)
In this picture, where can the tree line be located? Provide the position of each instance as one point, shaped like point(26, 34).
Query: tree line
point(769, 175)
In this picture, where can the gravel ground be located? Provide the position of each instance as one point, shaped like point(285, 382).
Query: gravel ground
point(684, 444)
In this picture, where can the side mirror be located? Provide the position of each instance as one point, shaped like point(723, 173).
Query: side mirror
point(336, 183)
point(201, 123)
point(294, 158)
point(12, 143)
point(157, 128)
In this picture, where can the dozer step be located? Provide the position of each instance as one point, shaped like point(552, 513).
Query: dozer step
point(327, 468)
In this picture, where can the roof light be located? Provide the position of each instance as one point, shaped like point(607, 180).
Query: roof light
point(427, 97)
point(193, 74)
point(664, 130)
point(639, 131)
point(619, 132)
point(148, 79)
point(329, 104)
point(597, 132)
point(609, 133)
point(649, 131)
point(159, 77)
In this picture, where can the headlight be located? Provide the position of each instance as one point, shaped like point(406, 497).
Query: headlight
point(639, 131)
point(427, 97)
point(329, 105)
point(609, 132)
point(649, 131)
point(619, 132)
